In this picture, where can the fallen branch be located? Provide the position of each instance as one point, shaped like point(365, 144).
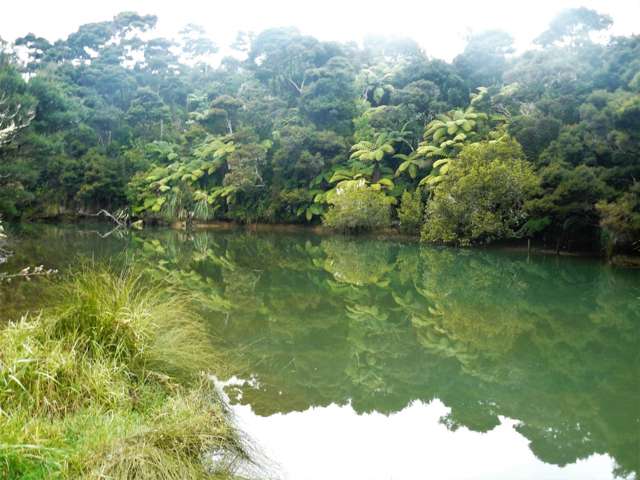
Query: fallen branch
point(28, 273)
point(121, 218)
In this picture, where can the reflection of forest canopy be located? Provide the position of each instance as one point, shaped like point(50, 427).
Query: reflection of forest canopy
point(320, 321)
point(331, 320)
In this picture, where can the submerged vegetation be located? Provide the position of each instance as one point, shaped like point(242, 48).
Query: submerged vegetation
point(109, 382)
point(112, 117)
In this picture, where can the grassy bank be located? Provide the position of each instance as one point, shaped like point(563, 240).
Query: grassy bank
point(108, 382)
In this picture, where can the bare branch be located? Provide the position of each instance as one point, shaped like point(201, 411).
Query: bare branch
point(12, 120)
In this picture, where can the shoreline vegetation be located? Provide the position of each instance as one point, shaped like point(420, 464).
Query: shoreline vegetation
point(495, 145)
point(108, 382)
point(386, 233)
point(391, 233)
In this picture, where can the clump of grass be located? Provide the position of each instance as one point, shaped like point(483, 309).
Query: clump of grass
point(108, 383)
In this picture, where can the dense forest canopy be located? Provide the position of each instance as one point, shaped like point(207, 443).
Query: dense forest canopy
point(494, 145)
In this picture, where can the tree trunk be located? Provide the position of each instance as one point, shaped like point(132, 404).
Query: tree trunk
point(375, 177)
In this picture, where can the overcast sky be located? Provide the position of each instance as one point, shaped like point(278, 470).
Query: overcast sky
point(440, 27)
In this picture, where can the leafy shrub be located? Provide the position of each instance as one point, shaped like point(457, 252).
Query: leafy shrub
point(482, 196)
point(356, 206)
point(620, 220)
point(411, 211)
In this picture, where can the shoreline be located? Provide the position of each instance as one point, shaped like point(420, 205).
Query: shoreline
point(387, 234)
point(519, 246)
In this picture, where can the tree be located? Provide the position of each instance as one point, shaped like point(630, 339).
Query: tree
point(245, 165)
point(374, 83)
point(573, 26)
point(17, 109)
point(482, 198)
point(226, 108)
point(197, 46)
point(620, 220)
point(282, 58)
point(266, 137)
point(568, 205)
point(148, 113)
point(184, 188)
point(374, 151)
point(534, 132)
point(423, 97)
point(484, 58)
point(329, 98)
point(445, 136)
point(301, 153)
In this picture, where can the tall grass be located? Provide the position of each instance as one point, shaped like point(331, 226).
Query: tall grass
point(108, 383)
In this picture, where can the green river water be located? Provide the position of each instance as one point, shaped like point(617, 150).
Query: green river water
point(352, 358)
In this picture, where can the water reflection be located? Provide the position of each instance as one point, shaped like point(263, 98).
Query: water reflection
point(338, 443)
point(491, 342)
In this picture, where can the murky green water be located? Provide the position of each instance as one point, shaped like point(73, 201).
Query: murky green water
point(362, 359)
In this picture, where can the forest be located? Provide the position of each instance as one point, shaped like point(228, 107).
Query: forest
point(129, 352)
point(285, 128)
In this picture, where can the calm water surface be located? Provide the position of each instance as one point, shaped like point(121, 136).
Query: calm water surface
point(362, 359)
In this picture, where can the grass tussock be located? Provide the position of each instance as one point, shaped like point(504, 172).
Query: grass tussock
point(108, 383)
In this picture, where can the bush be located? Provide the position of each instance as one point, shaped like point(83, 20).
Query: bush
point(411, 212)
point(356, 206)
point(482, 196)
point(620, 220)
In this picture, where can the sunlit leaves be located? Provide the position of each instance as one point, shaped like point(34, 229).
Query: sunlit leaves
point(185, 186)
point(373, 151)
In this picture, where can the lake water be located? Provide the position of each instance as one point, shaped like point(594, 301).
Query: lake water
point(363, 359)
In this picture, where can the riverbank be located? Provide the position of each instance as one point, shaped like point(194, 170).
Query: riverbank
point(397, 235)
point(109, 382)
point(389, 234)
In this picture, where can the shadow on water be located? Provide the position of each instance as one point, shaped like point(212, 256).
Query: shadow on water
point(315, 321)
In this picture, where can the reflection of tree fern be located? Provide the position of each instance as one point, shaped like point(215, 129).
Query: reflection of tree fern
point(434, 339)
point(366, 313)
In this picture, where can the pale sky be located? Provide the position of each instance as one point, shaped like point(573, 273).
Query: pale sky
point(439, 27)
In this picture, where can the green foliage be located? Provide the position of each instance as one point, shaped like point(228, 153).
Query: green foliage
point(356, 206)
point(411, 211)
point(185, 190)
point(107, 383)
point(445, 136)
point(574, 25)
point(124, 120)
point(482, 197)
point(484, 58)
point(620, 219)
point(534, 133)
point(373, 151)
point(411, 164)
point(302, 153)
